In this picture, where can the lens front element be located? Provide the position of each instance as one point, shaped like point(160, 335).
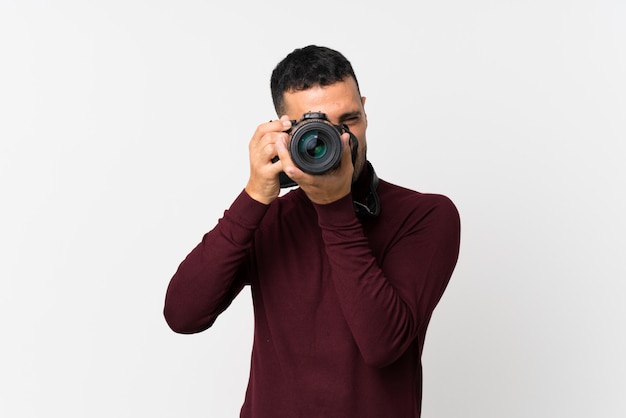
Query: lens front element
point(312, 145)
point(316, 146)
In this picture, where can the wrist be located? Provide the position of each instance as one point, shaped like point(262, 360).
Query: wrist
point(339, 212)
point(261, 195)
point(326, 198)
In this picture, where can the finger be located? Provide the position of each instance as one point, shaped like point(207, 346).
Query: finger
point(279, 125)
point(265, 149)
point(286, 122)
point(259, 137)
point(282, 151)
point(287, 165)
point(345, 139)
point(346, 146)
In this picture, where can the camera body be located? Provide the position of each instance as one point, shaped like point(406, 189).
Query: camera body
point(315, 146)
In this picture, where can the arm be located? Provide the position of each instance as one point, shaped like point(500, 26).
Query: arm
point(388, 306)
point(208, 280)
point(210, 277)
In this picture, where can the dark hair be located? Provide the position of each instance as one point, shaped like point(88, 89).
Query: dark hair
point(308, 67)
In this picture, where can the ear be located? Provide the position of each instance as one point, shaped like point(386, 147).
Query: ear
point(363, 98)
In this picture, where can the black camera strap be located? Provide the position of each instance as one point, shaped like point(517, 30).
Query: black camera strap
point(371, 206)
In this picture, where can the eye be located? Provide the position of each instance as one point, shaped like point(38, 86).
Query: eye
point(351, 120)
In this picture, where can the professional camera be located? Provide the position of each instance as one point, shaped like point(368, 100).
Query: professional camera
point(315, 145)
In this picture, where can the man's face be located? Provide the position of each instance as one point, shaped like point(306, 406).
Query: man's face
point(341, 103)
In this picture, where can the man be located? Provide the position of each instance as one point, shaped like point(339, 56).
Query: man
point(345, 270)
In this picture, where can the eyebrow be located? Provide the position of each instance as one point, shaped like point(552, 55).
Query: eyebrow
point(349, 115)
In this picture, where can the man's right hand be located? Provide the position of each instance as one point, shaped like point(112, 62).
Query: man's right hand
point(263, 184)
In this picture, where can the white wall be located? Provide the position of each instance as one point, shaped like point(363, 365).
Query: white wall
point(124, 129)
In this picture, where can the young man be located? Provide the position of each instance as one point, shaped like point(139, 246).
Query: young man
point(345, 270)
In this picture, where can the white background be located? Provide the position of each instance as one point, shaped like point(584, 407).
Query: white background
point(124, 128)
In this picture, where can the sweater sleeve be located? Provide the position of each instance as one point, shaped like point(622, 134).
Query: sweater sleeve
point(388, 306)
point(213, 273)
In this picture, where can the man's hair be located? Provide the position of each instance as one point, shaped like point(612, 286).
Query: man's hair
point(305, 68)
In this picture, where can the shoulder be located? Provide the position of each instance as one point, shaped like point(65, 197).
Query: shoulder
point(401, 201)
point(412, 221)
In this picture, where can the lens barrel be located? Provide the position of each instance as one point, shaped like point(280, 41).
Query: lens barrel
point(315, 146)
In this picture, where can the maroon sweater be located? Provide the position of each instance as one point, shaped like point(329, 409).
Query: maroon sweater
point(341, 305)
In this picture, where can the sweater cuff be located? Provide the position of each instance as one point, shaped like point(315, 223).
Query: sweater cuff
point(337, 213)
point(246, 211)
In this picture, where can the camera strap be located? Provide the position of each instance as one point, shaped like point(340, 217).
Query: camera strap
point(371, 207)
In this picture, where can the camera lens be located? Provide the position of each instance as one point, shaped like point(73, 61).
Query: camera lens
point(312, 145)
point(316, 146)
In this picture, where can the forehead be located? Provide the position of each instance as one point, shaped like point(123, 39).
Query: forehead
point(333, 100)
